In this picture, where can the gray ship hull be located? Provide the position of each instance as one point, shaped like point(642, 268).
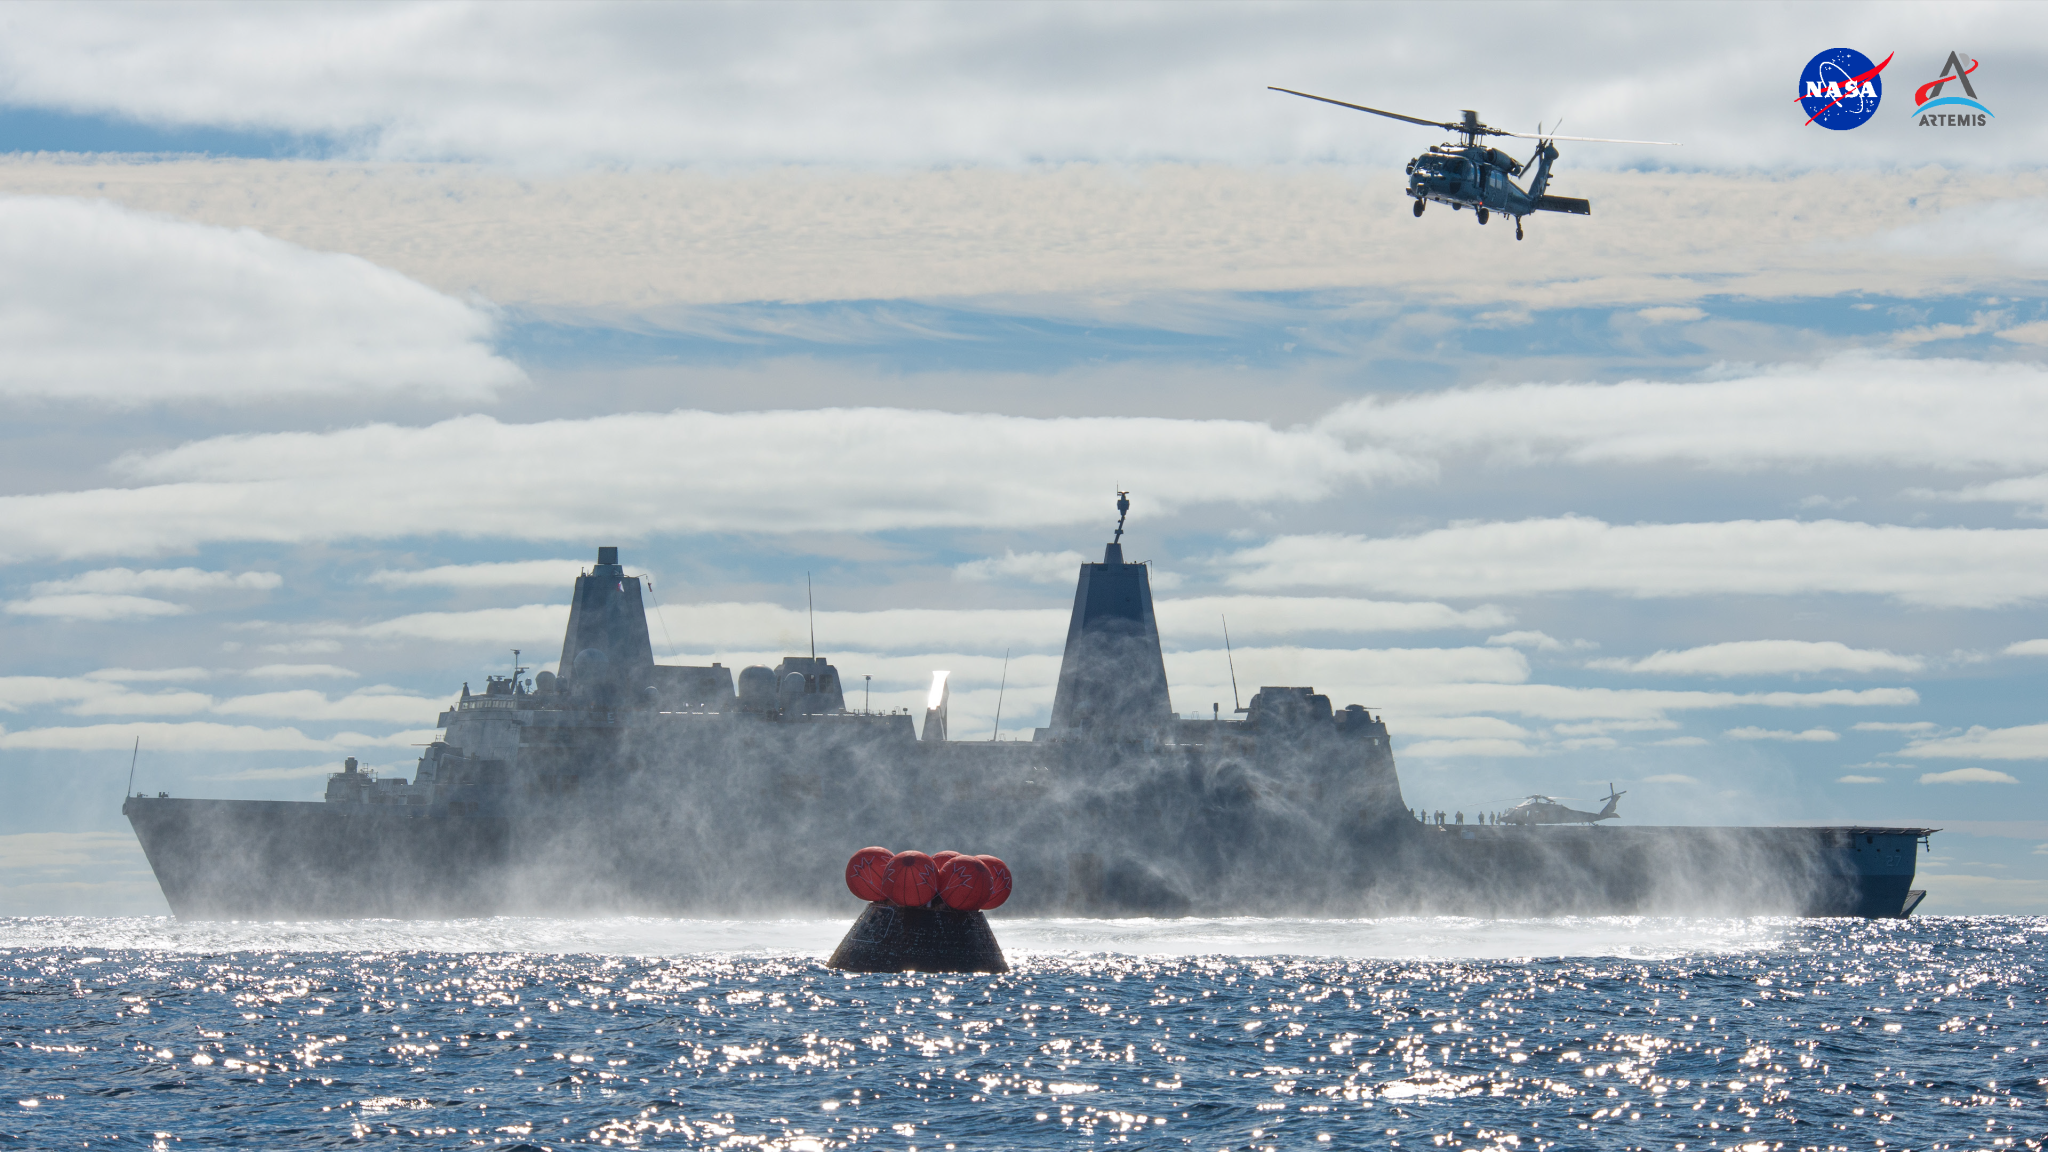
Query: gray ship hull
point(270, 860)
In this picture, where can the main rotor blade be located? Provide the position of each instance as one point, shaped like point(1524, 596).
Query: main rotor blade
point(1374, 111)
point(1592, 139)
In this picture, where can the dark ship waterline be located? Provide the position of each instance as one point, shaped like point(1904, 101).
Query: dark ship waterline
point(623, 786)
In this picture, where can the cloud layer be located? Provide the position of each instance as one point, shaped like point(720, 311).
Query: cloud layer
point(685, 250)
point(1764, 658)
point(1945, 567)
point(922, 84)
point(628, 476)
point(1854, 409)
point(103, 304)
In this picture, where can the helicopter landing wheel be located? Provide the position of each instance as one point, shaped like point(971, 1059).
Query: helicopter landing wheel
point(1418, 206)
point(1483, 214)
point(1518, 229)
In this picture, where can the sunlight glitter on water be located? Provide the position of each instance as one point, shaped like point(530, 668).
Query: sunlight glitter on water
point(1803, 1034)
point(1398, 937)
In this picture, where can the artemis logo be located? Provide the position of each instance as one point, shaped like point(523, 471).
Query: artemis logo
point(1964, 112)
point(1840, 89)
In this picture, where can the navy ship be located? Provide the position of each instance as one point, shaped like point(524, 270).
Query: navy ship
point(620, 785)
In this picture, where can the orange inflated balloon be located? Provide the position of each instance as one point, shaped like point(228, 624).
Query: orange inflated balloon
point(940, 858)
point(911, 880)
point(964, 883)
point(999, 875)
point(864, 873)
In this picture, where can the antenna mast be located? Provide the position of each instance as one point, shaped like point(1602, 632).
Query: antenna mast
point(659, 616)
point(1123, 509)
point(138, 751)
point(1235, 705)
point(811, 607)
point(999, 699)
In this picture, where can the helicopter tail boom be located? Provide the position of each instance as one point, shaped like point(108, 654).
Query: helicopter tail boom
point(1569, 204)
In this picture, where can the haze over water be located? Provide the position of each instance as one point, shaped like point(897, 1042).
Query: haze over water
point(1240, 1033)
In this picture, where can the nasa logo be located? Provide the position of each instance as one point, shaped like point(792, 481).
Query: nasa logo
point(1968, 114)
point(1841, 89)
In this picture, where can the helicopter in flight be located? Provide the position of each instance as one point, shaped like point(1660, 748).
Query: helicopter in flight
point(1473, 175)
point(1545, 810)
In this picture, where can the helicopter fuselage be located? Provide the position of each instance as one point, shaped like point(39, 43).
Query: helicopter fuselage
point(1482, 179)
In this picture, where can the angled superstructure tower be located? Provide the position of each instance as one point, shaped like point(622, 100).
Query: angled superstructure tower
point(1112, 682)
point(606, 617)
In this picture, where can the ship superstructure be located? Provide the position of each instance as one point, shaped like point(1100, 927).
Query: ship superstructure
point(623, 785)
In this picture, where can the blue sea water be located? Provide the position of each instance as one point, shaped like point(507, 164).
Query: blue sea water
point(1209, 1034)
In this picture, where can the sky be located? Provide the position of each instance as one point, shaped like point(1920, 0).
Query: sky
point(339, 337)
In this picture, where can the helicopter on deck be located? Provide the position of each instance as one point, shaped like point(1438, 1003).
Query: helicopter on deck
point(1545, 810)
point(1472, 175)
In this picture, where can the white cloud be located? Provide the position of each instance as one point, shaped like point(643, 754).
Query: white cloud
point(1853, 409)
point(506, 574)
point(19, 692)
point(708, 85)
point(1895, 726)
point(1968, 776)
point(1671, 315)
point(1859, 779)
point(1468, 727)
point(128, 580)
point(199, 736)
point(2008, 229)
point(107, 594)
point(293, 647)
point(103, 304)
point(2026, 742)
point(1765, 657)
point(691, 248)
point(92, 697)
point(1929, 333)
point(1038, 567)
point(851, 470)
point(388, 706)
point(165, 702)
point(1603, 727)
point(1446, 749)
point(2028, 648)
point(1945, 567)
point(1670, 778)
point(1680, 742)
point(1189, 617)
point(2030, 492)
point(1288, 664)
point(1205, 680)
point(1540, 641)
point(286, 671)
point(94, 606)
point(2034, 333)
point(50, 851)
point(133, 674)
point(1810, 736)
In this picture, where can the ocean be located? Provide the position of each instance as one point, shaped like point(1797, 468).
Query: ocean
point(1210, 1034)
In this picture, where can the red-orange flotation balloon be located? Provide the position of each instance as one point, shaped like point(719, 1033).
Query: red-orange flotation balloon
point(940, 858)
point(864, 873)
point(999, 876)
point(964, 883)
point(911, 880)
